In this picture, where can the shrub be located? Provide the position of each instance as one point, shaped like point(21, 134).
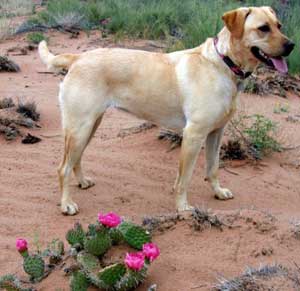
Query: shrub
point(257, 133)
point(36, 37)
point(6, 29)
point(261, 135)
point(16, 7)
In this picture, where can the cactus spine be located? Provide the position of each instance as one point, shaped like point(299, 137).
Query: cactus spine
point(34, 266)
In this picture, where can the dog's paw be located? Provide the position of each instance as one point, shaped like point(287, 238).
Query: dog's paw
point(86, 183)
point(224, 194)
point(184, 207)
point(69, 208)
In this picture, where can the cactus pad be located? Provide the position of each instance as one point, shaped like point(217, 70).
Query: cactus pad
point(134, 235)
point(111, 274)
point(116, 236)
point(34, 266)
point(79, 282)
point(76, 235)
point(98, 244)
point(88, 262)
point(131, 280)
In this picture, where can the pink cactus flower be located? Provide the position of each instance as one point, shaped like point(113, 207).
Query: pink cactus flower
point(110, 219)
point(135, 261)
point(21, 245)
point(151, 251)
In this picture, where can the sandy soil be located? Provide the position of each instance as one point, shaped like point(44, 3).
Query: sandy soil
point(134, 176)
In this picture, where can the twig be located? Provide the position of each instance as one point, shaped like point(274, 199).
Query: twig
point(50, 73)
point(230, 172)
point(199, 286)
point(290, 148)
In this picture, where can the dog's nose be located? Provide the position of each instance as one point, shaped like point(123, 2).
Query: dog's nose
point(288, 47)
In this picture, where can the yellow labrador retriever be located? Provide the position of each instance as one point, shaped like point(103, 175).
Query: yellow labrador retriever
point(192, 90)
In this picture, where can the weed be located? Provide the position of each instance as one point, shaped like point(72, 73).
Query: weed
point(173, 137)
point(261, 135)
point(10, 8)
point(257, 133)
point(252, 279)
point(281, 108)
point(233, 150)
point(203, 218)
point(6, 103)
point(28, 110)
point(36, 37)
point(7, 65)
point(6, 29)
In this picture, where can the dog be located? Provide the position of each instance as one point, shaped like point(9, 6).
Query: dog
point(193, 91)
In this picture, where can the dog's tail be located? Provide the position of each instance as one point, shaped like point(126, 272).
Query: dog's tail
point(59, 62)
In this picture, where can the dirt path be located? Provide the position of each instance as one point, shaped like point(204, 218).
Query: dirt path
point(134, 176)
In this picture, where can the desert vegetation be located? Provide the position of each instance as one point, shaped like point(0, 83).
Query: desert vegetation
point(246, 244)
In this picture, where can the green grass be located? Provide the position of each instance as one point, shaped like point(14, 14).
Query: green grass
point(184, 23)
point(36, 37)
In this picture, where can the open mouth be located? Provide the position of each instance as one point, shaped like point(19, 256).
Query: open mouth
point(277, 63)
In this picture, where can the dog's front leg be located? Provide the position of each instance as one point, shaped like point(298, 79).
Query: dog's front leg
point(193, 138)
point(213, 143)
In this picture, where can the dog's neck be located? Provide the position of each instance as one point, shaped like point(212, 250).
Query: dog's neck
point(229, 47)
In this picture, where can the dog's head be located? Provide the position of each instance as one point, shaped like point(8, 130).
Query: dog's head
point(256, 37)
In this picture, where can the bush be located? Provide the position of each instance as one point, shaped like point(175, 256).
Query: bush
point(6, 29)
point(36, 37)
point(16, 7)
point(256, 133)
point(261, 135)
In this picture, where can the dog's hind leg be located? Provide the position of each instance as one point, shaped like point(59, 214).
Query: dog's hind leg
point(76, 140)
point(85, 182)
point(193, 138)
point(213, 143)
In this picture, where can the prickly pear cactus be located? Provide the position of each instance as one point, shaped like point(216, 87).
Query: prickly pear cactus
point(97, 244)
point(90, 266)
point(111, 275)
point(134, 235)
point(88, 262)
point(76, 236)
point(79, 282)
point(11, 283)
point(34, 266)
point(131, 280)
point(116, 236)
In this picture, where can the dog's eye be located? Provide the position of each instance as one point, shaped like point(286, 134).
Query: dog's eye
point(279, 26)
point(265, 28)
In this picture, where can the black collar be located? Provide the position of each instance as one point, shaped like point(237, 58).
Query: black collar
point(232, 66)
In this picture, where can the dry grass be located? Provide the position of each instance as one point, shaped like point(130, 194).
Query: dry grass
point(6, 28)
point(16, 7)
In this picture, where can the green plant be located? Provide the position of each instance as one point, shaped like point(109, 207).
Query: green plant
point(11, 283)
point(281, 108)
point(261, 135)
point(36, 37)
point(16, 7)
point(91, 246)
point(134, 235)
point(256, 133)
point(34, 266)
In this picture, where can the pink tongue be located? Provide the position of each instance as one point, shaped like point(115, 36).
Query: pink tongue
point(280, 65)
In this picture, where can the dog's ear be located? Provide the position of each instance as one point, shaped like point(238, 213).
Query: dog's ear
point(235, 20)
point(271, 10)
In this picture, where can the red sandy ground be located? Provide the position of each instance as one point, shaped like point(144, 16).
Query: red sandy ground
point(134, 176)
